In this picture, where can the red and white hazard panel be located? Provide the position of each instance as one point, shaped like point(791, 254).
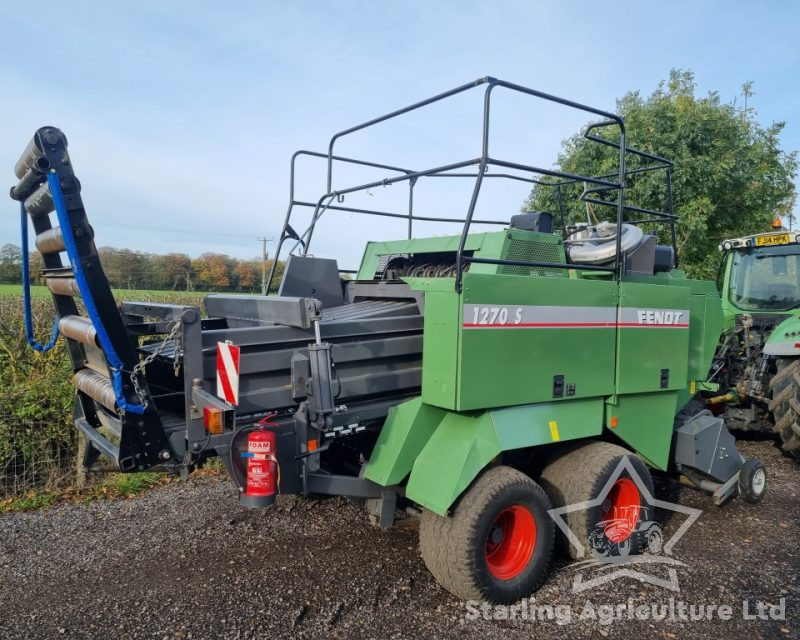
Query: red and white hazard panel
point(228, 372)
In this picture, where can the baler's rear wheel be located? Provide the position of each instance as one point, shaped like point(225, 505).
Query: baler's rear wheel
point(498, 543)
point(617, 516)
point(785, 404)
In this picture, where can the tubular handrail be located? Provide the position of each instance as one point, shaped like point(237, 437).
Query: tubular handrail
point(613, 181)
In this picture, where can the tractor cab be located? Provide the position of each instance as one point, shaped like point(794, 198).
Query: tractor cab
point(757, 359)
point(760, 276)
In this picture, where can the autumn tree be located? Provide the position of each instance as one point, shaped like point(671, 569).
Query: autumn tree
point(248, 274)
point(127, 269)
point(213, 271)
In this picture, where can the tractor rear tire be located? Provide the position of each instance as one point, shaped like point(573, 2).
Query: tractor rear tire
point(785, 404)
point(617, 514)
point(498, 543)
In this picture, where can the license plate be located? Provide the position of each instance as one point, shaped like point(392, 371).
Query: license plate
point(772, 239)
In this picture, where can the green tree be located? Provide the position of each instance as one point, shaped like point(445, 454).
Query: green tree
point(36, 264)
point(171, 271)
point(10, 263)
point(124, 268)
point(276, 280)
point(731, 176)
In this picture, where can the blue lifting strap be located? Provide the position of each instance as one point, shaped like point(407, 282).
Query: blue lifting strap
point(80, 277)
point(26, 291)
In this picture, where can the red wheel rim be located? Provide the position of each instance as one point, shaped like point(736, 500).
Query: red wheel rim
point(621, 510)
point(510, 542)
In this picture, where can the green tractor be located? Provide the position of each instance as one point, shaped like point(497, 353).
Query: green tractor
point(758, 361)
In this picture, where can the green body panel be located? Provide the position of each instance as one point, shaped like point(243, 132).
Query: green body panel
point(440, 348)
point(407, 430)
point(644, 351)
point(525, 356)
point(704, 328)
point(501, 367)
point(462, 444)
point(511, 244)
point(644, 422)
point(374, 250)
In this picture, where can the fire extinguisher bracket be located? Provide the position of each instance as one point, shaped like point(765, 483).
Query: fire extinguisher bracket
point(256, 502)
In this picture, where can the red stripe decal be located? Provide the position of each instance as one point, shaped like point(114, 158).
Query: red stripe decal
point(628, 325)
point(544, 325)
point(228, 372)
point(574, 325)
point(227, 391)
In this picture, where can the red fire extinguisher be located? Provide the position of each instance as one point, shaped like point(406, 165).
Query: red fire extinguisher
point(261, 467)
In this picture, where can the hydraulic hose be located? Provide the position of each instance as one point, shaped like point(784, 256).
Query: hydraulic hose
point(77, 269)
point(26, 290)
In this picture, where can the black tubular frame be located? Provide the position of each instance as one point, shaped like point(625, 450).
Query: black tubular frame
point(593, 185)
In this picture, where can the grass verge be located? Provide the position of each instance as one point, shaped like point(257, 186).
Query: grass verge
point(114, 486)
point(110, 487)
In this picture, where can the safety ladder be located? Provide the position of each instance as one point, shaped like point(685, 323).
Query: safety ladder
point(113, 406)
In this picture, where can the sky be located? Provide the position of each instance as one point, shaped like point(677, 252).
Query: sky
point(182, 116)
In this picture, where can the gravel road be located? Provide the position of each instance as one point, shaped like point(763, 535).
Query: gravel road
point(184, 561)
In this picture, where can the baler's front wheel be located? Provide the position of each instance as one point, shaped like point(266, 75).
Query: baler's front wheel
point(752, 480)
point(785, 404)
point(497, 545)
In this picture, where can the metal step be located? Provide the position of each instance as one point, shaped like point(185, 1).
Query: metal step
point(51, 241)
point(102, 444)
point(114, 425)
point(97, 387)
point(78, 328)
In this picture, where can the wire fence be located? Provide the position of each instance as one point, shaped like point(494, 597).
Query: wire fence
point(38, 444)
point(35, 461)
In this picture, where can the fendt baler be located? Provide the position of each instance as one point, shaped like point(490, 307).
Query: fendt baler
point(477, 380)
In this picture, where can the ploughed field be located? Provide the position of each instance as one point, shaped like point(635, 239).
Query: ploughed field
point(185, 561)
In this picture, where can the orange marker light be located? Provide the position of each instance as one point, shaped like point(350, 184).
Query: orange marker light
point(776, 223)
point(312, 445)
point(614, 422)
point(212, 420)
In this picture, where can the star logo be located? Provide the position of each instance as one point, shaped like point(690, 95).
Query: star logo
point(612, 567)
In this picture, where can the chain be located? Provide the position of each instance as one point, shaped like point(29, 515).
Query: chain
point(173, 336)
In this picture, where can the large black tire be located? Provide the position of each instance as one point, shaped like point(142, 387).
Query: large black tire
point(580, 474)
point(486, 550)
point(785, 404)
